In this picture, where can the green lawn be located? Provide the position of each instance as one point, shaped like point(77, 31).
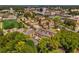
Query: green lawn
point(8, 24)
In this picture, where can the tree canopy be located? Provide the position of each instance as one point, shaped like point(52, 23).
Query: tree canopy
point(68, 40)
point(16, 42)
point(63, 41)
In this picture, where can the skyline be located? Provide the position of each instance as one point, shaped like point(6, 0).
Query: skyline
point(36, 6)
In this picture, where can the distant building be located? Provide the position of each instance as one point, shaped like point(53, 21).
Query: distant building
point(76, 19)
point(4, 11)
point(44, 32)
point(75, 10)
point(9, 17)
point(11, 10)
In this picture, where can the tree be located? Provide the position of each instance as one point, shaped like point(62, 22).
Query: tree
point(68, 40)
point(1, 32)
point(56, 20)
point(70, 22)
point(17, 42)
point(47, 44)
point(29, 14)
point(57, 51)
point(23, 47)
point(43, 45)
point(62, 41)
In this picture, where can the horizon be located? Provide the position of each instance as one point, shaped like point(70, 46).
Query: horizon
point(36, 6)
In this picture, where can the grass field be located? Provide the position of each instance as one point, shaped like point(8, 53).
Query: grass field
point(8, 24)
